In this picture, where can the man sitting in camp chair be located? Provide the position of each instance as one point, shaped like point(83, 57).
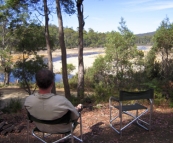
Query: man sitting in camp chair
point(45, 105)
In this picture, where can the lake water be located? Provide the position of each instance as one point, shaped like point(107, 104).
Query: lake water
point(58, 77)
point(141, 47)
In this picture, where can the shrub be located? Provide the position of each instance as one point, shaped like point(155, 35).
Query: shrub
point(73, 82)
point(59, 85)
point(13, 106)
point(75, 100)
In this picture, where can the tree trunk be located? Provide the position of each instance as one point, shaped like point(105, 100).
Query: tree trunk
point(80, 87)
point(63, 51)
point(6, 77)
point(6, 68)
point(47, 37)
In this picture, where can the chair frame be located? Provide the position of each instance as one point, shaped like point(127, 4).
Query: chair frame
point(126, 108)
point(57, 121)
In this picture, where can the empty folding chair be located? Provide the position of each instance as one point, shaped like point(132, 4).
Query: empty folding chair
point(124, 105)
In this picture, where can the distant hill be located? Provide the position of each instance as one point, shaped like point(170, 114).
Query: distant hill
point(145, 34)
point(144, 38)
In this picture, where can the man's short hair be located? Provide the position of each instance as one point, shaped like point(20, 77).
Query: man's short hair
point(44, 78)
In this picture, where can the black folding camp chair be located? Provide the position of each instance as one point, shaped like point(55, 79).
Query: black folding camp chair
point(65, 119)
point(126, 107)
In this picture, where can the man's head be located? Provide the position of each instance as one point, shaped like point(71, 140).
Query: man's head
point(44, 78)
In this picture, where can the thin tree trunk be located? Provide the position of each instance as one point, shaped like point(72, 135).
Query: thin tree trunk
point(6, 68)
point(80, 87)
point(63, 51)
point(6, 77)
point(47, 37)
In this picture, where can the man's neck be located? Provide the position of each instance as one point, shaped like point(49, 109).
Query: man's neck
point(44, 91)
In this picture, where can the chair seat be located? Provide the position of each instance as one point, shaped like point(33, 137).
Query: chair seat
point(135, 106)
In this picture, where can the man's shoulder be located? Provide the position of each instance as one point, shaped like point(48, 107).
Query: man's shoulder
point(30, 97)
point(59, 97)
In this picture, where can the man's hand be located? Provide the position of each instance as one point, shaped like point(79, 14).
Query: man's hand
point(79, 107)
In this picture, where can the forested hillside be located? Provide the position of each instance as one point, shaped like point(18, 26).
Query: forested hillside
point(144, 38)
point(93, 38)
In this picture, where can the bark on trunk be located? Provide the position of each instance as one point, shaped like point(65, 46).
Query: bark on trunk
point(80, 87)
point(6, 77)
point(63, 51)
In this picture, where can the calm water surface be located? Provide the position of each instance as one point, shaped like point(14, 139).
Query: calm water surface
point(58, 77)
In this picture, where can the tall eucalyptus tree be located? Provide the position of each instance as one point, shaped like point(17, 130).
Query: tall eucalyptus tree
point(47, 38)
point(80, 87)
point(68, 7)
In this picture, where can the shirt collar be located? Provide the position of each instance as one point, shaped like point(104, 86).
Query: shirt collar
point(47, 95)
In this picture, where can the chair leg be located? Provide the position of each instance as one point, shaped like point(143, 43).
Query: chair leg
point(72, 139)
point(81, 127)
point(28, 131)
point(151, 112)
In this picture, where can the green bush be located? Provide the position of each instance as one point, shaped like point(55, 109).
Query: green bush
point(73, 82)
point(59, 85)
point(70, 68)
point(13, 106)
point(75, 100)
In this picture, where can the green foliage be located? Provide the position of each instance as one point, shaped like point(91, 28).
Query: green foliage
point(152, 67)
point(125, 62)
point(144, 39)
point(73, 82)
point(70, 37)
point(103, 90)
point(70, 68)
point(68, 6)
point(13, 106)
point(159, 71)
point(26, 69)
point(53, 32)
point(30, 38)
point(6, 61)
point(163, 36)
point(59, 85)
point(75, 100)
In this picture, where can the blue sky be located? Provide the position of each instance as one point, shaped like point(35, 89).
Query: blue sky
point(141, 16)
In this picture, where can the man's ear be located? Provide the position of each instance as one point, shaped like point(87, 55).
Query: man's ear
point(52, 84)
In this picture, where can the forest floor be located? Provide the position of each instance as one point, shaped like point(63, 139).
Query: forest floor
point(96, 127)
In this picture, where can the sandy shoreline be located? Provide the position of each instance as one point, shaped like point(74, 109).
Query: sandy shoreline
point(88, 59)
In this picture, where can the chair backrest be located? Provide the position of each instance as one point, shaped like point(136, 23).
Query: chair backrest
point(64, 119)
point(125, 95)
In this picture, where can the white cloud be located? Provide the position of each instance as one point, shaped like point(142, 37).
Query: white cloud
point(160, 6)
point(149, 5)
point(133, 2)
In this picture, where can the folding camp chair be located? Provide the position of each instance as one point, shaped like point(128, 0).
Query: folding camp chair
point(124, 107)
point(65, 119)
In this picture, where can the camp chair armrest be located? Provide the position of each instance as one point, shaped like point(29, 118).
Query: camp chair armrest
point(112, 98)
point(151, 101)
